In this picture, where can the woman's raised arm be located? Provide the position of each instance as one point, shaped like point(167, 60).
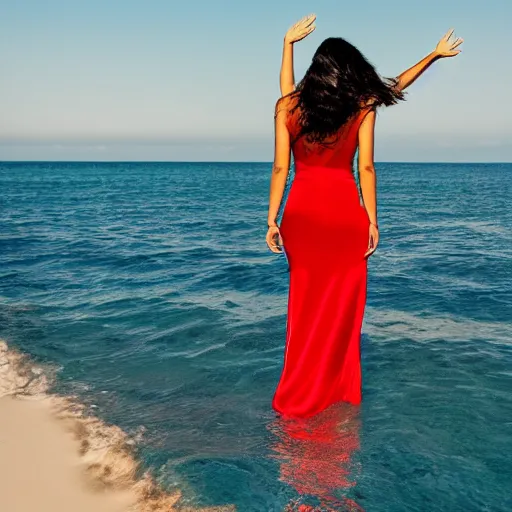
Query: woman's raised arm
point(445, 48)
point(295, 33)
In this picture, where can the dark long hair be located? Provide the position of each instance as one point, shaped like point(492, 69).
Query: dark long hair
point(338, 83)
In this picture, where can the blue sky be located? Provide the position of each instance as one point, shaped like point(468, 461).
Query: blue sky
point(198, 80)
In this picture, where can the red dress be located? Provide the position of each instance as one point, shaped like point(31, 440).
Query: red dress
point(325, 231)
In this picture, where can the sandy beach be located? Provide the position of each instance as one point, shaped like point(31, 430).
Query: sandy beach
point(40, 465)
point(54, 457)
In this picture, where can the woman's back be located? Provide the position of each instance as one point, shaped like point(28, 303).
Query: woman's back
point(336, 152)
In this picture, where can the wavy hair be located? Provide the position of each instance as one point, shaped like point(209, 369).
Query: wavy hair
point(338, 83)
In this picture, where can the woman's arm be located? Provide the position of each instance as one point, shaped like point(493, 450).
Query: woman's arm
point(445, 48)
point(280, 170)
point(368, 178)
point(286, 76)
point(296, 33)
point(410, 75)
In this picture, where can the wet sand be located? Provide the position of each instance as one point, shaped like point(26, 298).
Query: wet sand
point(40, 466)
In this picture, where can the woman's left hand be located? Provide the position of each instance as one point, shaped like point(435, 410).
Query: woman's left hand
point(373, 240)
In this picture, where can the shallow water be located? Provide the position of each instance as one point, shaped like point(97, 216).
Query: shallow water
point(150, 290)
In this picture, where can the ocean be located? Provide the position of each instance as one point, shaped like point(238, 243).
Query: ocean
point(146, 290)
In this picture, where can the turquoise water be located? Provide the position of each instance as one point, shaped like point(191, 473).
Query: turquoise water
point(150, 289)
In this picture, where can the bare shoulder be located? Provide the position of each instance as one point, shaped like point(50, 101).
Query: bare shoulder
point(368, 117)
point(285, 104)
point(368, 113)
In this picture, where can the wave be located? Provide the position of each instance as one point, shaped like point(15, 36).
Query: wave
point(394, 325)
point(106, 451)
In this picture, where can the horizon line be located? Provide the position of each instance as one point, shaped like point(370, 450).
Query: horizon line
point(265, 162)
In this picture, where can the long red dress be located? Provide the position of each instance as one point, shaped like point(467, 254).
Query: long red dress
point(325, 231)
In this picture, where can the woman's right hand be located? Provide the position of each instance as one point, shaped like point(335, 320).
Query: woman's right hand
point(301, 29)
point(373, 240)
point(274, 240)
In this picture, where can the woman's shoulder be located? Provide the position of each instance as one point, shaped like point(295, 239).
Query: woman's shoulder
point(365, 107)
point(286, 109)
point(286, 103)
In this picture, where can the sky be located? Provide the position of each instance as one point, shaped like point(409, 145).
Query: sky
point(197, 80)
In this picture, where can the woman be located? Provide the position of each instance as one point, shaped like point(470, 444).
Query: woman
point(326, 233)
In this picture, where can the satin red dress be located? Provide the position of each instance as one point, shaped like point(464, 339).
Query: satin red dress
point(325, 232)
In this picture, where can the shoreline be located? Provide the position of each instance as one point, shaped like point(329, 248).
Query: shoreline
point(56, 458)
